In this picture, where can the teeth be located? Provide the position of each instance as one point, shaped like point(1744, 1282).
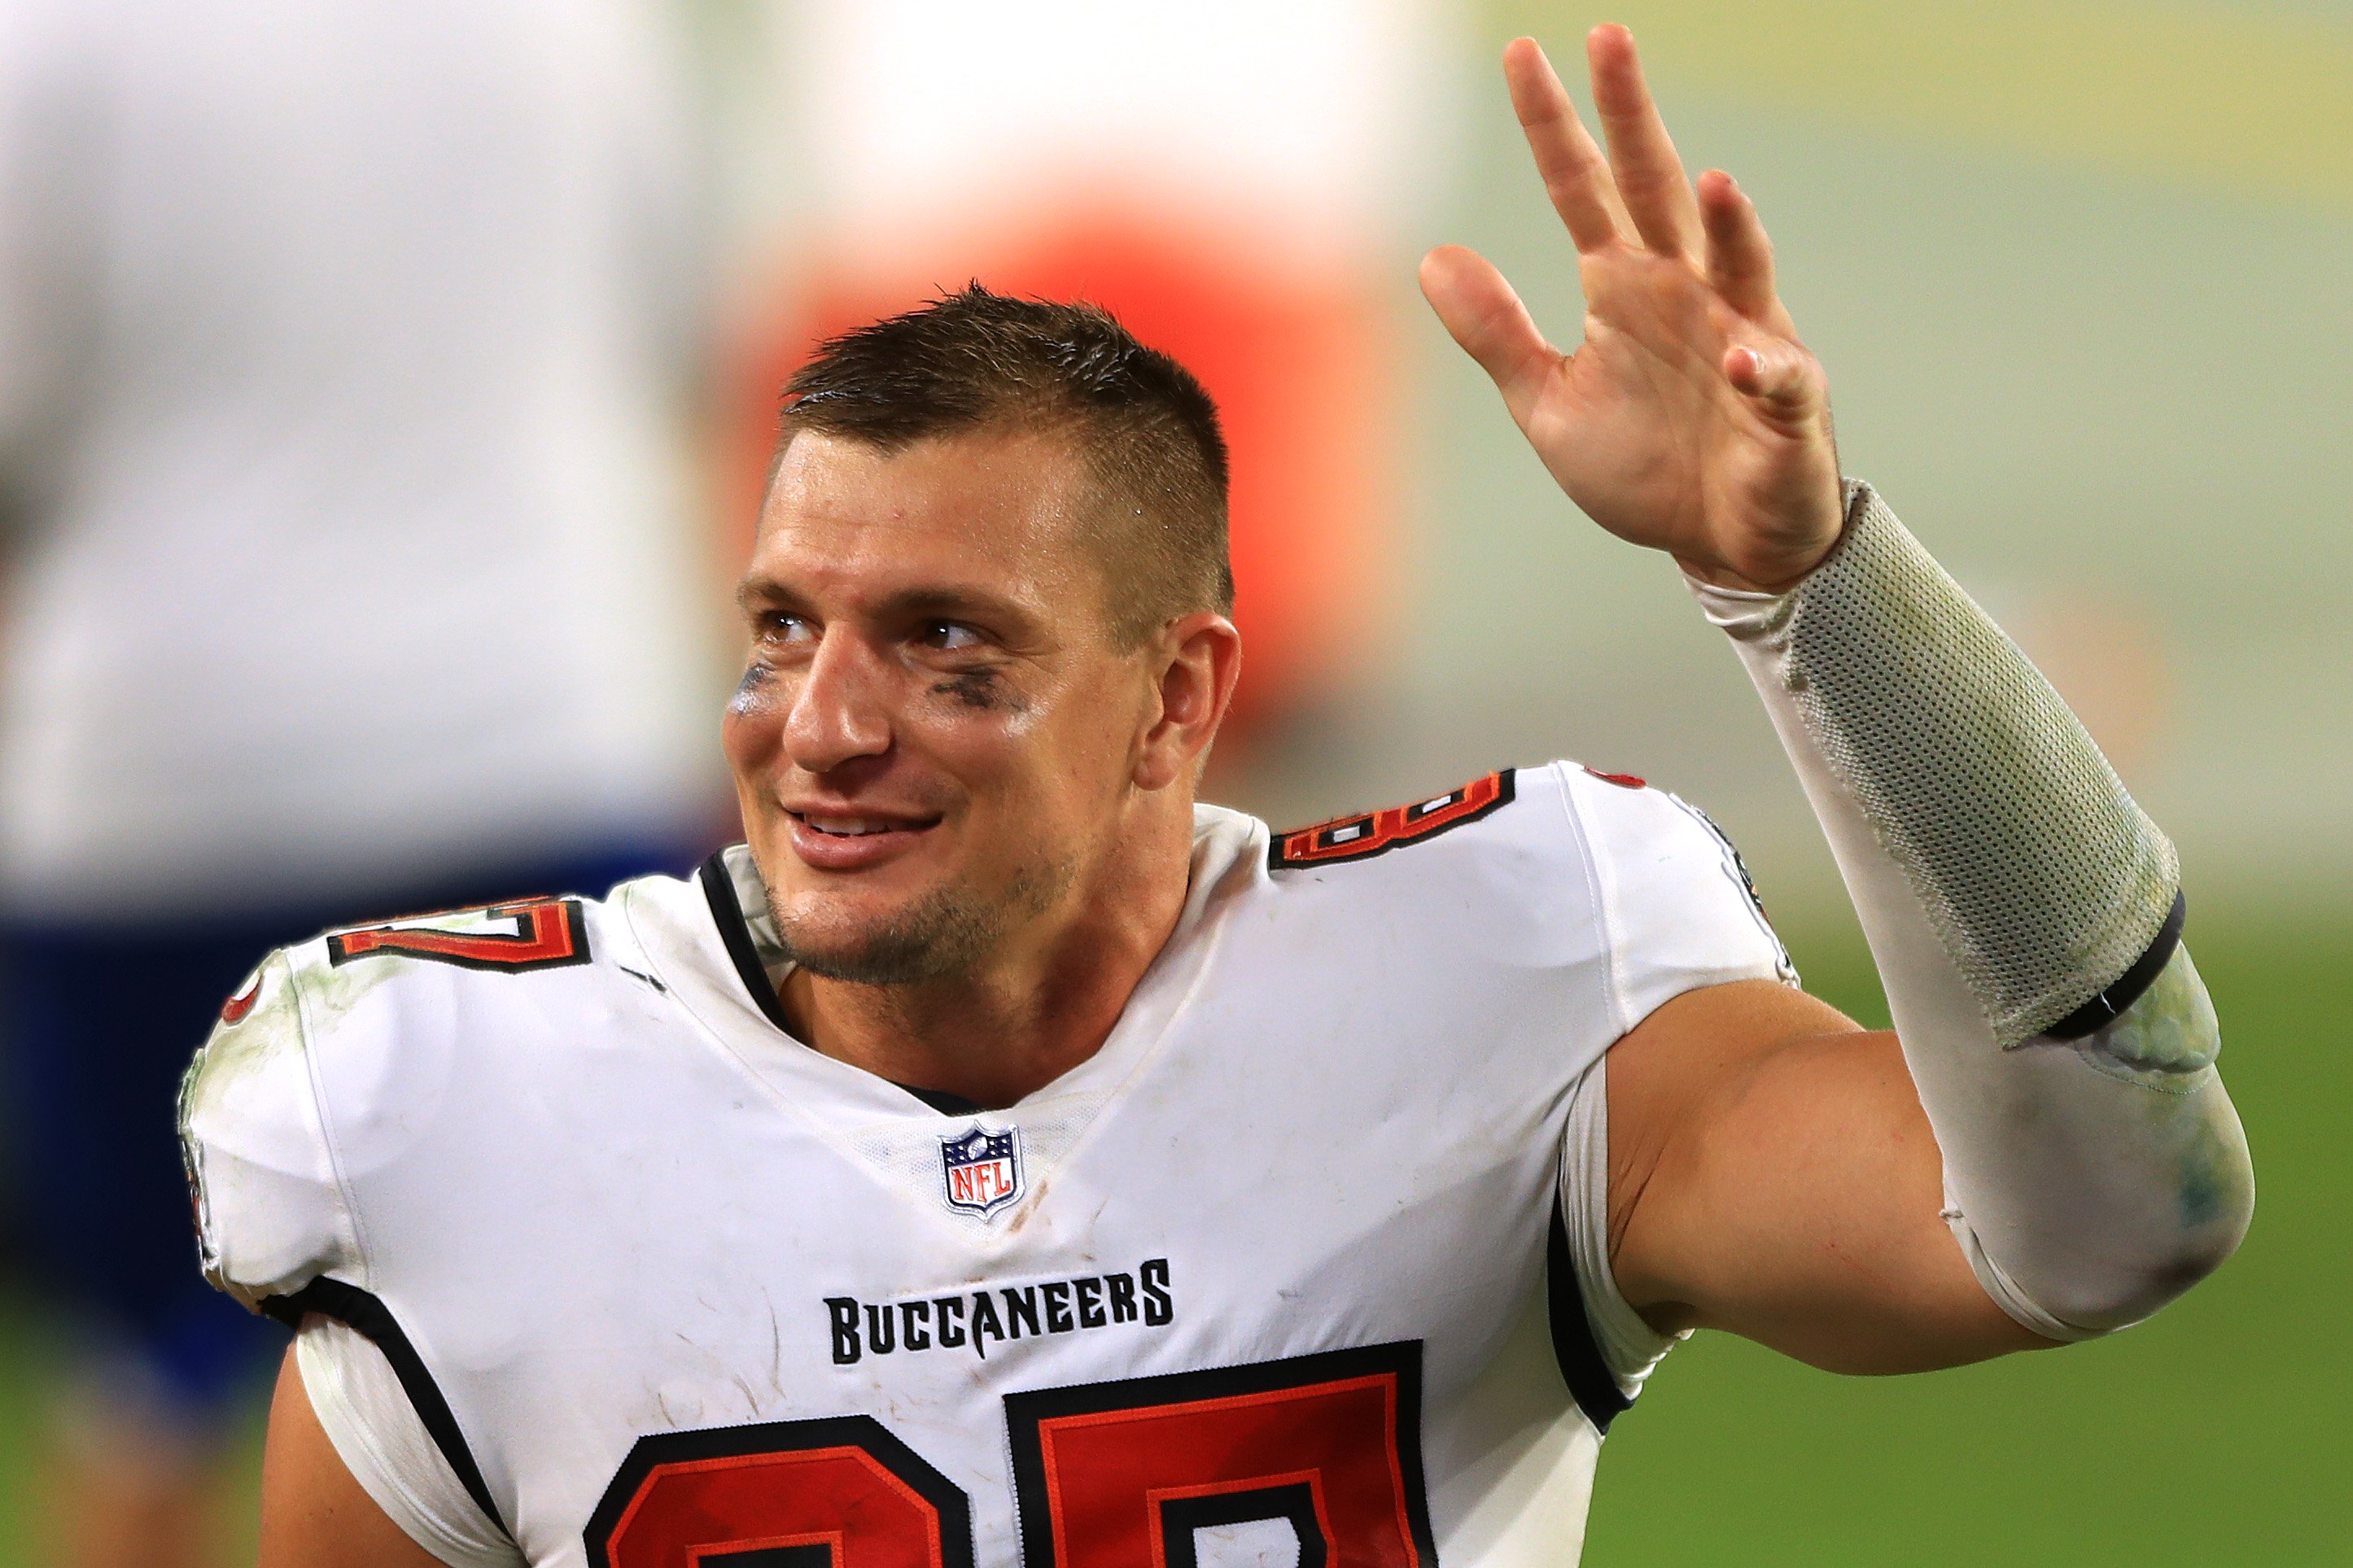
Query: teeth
point(846, 826)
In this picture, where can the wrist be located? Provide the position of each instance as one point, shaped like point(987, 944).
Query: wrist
point(1720, 580)
point(1713, 576)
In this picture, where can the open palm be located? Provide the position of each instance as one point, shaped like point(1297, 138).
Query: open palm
point(1691, 419)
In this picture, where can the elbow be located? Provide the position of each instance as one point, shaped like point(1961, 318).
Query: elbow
point(2146, 1267)
point(2158, 1280)
point(2110, 1241)
point(2218, 1205)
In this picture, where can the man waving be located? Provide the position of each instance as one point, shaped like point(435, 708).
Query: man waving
point(1000, 1157)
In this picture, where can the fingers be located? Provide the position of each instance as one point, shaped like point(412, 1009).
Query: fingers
point(1485, 315)
point(1739, 256)
point(1649, 177)
point(1574, 175)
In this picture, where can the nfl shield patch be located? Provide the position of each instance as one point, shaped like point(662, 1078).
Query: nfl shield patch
point(982, 1169)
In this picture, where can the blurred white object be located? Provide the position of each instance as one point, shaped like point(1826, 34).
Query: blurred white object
point(340, 353)
point(1309, 124)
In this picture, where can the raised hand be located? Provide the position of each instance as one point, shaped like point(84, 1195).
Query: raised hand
point(1691, 419)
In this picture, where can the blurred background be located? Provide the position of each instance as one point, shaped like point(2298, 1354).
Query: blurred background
point(384, 391)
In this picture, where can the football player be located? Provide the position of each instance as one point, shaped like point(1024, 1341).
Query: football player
point(1000, 1157)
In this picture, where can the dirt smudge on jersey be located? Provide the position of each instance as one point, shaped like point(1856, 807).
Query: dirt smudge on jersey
point(267, 1029)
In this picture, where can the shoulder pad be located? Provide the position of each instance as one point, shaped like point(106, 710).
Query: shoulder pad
point(269, 1215)
point(340, 1047)
point(1682, 910)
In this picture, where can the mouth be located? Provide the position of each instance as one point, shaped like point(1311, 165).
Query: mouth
point(856, 827)
point(849, 841)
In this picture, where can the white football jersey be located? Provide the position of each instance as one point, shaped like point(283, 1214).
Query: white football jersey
point(1306, 1265)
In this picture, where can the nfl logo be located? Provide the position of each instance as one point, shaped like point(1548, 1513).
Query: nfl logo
point(983, 1169)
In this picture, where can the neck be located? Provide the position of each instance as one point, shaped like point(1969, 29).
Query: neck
point(1012, 1025)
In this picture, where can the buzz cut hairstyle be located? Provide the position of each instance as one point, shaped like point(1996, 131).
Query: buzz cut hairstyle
point(1146, 430)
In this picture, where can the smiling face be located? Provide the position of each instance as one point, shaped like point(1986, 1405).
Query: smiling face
point(937, 745)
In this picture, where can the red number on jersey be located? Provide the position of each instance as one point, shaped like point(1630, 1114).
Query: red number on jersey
point(840, 1492)
point(548, 934)
point(1108, 1475)
point(1367, 834)
point(1112, 1474)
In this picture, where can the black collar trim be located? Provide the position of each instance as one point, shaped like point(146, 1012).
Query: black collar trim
point(945, 1102)
point(727, 911)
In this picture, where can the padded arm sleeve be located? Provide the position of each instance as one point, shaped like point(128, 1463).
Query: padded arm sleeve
point(270, 1214)
point(2024, 915)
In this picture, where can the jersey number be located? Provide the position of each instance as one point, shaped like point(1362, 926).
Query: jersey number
point(548, 934)
point(1107, 1475)
point(1371, 833)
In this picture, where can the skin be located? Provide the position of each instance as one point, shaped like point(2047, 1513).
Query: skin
point(1772, 1173)
point(314, 1514)
point(931, 651)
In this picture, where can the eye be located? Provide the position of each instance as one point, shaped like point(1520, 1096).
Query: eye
point(949, 637)
point(782, 626)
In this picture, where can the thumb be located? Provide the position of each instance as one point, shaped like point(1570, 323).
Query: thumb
point(1482, 313)
point(1781, 379)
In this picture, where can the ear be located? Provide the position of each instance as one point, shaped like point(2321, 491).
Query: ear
point(1197, 658)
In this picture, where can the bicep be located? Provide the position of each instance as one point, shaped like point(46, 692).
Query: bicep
point(314, 1513)
point(1772, 1173)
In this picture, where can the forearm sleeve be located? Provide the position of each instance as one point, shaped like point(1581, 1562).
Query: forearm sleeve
point(2025, 916)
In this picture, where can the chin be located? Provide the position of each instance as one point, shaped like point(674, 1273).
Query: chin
point(901, 942)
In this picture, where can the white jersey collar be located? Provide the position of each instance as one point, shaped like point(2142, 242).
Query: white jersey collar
point(716, 945)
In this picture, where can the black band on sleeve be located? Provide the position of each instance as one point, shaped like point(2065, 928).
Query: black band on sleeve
point(1590, 1381)
point(371, 1319)
point(2109, 1006)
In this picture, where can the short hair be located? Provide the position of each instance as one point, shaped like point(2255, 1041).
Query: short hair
point(1146, 430)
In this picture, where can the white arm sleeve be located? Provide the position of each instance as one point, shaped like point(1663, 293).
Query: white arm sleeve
point(1678, 912)
point(2024, 915)
point(367, 1416)
point(1630, 1347)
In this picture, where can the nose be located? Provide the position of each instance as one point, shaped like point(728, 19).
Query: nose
point(838, 713)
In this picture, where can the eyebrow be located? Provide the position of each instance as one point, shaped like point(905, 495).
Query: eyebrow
point(907, 604)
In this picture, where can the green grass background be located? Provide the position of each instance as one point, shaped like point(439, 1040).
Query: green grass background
point(2216, 1434)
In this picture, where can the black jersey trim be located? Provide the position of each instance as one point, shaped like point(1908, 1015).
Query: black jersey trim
point(1027, 1412)
point(1589, 1379)
point(943, 1101)
point(2109, 1006)
point(735, 935)
point(347, 1303)
point(727, 911)
point(1294, 1502)
point(648, 1455)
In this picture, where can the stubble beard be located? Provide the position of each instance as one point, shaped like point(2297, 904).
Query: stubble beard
point(943, 934)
